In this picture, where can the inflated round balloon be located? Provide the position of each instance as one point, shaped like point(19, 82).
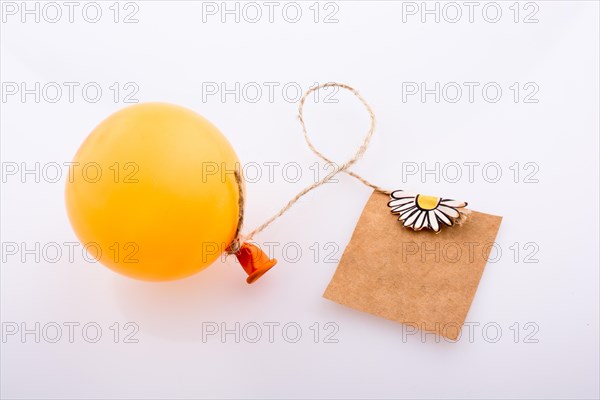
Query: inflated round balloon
point(151, 193)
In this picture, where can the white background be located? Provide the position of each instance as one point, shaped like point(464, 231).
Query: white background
point(169, 53)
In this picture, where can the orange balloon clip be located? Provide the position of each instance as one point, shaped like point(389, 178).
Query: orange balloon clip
point(254, 261)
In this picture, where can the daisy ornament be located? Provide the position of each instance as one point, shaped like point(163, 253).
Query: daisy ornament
point(418, 211)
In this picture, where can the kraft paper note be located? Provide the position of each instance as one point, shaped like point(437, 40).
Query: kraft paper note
point(420, 278)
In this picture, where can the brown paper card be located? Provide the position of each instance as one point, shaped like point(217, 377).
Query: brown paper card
point(420, 278)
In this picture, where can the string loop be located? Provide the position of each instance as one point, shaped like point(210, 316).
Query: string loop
point(341, 168)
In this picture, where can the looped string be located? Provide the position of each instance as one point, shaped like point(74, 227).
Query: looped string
point(361, 150)
point(235, 245)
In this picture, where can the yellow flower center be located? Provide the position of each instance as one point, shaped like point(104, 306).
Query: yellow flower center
point(427, 202)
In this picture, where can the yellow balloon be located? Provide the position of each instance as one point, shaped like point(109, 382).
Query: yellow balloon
point(152, 192)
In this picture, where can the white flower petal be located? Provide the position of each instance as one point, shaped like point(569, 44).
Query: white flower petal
point(411, 219)
point(449, 211)
point(421, 221)
point(406, 213)
point(443, 218)
point(401, 194)
point(400, 202)
point(433, 221)
point(404, 207)
point(453, 203)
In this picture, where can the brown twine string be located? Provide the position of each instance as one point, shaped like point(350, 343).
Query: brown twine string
point(235, 245)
